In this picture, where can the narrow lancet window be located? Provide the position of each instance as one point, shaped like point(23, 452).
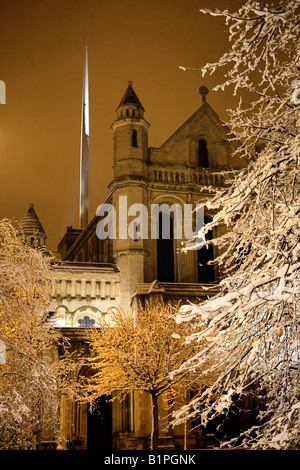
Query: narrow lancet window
point(165, 249)
point(134, 138)
point(202, 154)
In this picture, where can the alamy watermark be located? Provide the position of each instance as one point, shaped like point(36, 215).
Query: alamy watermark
point(133, 221)
point(2, 92)
point(113, 226)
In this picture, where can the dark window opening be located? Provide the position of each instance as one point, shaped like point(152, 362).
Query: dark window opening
point(202, 154)
point(206, 274)
point(165, 251)
point(99, 425)
point(134, 138)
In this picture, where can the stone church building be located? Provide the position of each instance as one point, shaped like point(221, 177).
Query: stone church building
point(96, 275)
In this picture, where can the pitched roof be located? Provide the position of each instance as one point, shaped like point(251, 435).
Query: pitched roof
point(178, 290)
point(31, 223)
point(130, 97)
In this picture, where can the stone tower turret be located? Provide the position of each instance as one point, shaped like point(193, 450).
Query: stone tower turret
point(32, 230)
point(130, 134)
point(129, 186)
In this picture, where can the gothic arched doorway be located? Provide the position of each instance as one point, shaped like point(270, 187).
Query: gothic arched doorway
point(99, 425)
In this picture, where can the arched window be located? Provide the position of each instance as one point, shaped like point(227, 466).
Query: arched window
point(206, 274)
point(165, 249)
point(202, 154)
point(134, 138)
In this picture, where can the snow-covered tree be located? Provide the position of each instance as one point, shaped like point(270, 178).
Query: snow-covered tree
point(254, 321)
point(32, 374)
point(138, 352)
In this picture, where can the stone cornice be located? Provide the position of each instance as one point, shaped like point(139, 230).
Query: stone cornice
point(133, 251)
point(129, 120)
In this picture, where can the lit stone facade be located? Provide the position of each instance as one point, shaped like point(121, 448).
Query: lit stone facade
point(84, 293)
point(98, 275)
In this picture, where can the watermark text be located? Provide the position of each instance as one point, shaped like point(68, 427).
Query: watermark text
point(162, 221)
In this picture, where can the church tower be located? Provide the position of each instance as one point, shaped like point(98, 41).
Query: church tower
point(130, 136)
point(129, 186)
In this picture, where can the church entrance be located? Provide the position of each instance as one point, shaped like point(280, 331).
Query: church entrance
point(99, 425)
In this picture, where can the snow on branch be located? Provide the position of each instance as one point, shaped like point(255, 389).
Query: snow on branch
point(252, 325)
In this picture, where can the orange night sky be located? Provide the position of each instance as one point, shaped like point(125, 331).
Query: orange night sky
point(42, 55)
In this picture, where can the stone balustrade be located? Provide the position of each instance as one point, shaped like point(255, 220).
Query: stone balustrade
point(204, 177)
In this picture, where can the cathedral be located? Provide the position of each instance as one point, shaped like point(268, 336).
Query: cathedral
point(97, 274)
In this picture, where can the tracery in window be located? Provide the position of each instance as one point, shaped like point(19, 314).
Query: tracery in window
point(86, 321)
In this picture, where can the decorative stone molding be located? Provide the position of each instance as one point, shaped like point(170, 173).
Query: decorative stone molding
point(201, 176)
point(79, 294)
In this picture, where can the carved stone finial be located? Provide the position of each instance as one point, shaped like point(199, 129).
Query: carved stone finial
point(203, 91)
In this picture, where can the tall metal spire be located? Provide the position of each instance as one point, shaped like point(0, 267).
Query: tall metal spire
point(84, 150)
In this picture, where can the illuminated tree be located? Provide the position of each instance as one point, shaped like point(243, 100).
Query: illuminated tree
point(256, 315)
point(139, 352)
point(32, 376)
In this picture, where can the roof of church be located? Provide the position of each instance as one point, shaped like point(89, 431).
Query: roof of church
point(130, 97)
point(79, 266)
point(176, 289)
point(31, 223)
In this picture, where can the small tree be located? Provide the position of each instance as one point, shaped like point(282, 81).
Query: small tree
point(256, 315)
point(139, 352)
point(32, 375)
